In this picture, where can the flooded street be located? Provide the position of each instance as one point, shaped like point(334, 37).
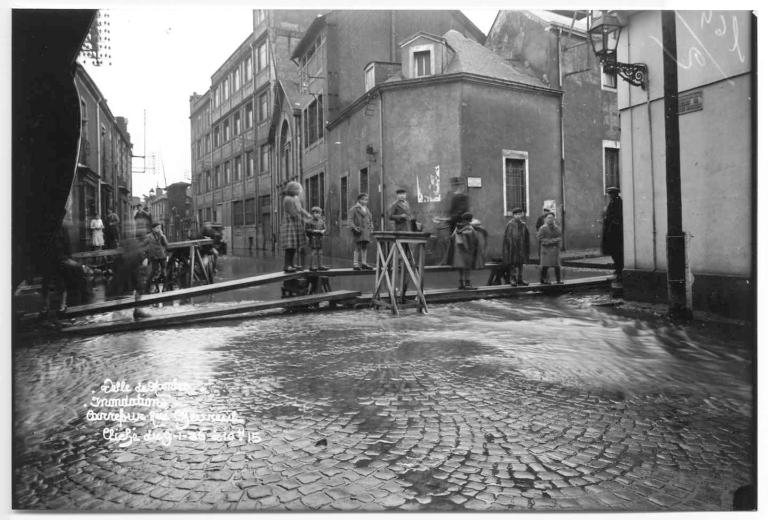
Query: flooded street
point(535, 403)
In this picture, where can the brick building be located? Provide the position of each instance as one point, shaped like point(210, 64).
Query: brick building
point(233, 155)
point(103, 177)
point(550, 47)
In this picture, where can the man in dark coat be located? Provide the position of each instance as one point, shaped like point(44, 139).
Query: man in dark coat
point(516, 247)
point(613, 230)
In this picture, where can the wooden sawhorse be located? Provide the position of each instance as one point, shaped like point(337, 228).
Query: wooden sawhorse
point(390, 254)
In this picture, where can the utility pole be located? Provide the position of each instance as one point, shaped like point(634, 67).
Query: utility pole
point(677, 286)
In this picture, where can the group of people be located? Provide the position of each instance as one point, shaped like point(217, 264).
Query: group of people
point(467, 238)
point(98, 231)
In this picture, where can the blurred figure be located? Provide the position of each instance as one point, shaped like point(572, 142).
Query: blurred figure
point(157, 252)
point(113, 225)
point(61, 271)
point(613, 231)
point(143, 220)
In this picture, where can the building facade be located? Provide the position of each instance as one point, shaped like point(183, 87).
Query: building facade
point(103, 178)
point(332, 58)
point(231, 131)
point(449, 108)
point(716, 85)
point(555, 48)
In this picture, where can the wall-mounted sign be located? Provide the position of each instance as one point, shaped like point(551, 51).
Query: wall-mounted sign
point(690, 102)
point(474, 182)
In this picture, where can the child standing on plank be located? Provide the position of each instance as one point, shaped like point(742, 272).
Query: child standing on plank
point(315, 229)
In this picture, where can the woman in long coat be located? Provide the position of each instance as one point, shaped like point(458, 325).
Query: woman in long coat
point(516, 247)
point(292, 234)
point(549, 236)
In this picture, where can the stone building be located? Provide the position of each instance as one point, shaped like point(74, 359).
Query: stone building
point(332, 57)
point(103, 177)
point(448, 107)
point(716, 88)
point(555, 48)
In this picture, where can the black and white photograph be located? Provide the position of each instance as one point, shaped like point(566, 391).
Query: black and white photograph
point(382, 258)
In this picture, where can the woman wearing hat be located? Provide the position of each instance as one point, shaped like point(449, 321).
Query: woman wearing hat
point(613, 232)
point(292, 233)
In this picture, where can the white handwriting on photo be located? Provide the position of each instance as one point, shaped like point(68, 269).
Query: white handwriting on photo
point(150, 417)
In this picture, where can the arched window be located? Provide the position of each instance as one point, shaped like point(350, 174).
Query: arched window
point(285, 152)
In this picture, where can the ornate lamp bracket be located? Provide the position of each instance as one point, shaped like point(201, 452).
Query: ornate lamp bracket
point(633, 73)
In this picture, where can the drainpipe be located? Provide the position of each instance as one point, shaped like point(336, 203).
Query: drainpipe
point(381, 159)
point(392, 37)
point(677, 286)
point(653, 174)
point(562, 139)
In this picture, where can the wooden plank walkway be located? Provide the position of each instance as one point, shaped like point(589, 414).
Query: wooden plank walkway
point(192, 316)
point(500, 291)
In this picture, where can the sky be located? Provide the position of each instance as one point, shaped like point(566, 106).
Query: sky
point(159, 57)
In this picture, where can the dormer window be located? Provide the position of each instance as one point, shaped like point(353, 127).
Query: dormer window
point(370, 78)
point(422, 61)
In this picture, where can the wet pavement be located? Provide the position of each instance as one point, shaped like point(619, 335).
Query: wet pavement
point(535, 403)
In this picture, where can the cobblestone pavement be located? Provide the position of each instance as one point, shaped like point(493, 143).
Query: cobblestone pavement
point(503, 405)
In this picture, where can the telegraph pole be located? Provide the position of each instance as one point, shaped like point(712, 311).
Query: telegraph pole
point(677, 285)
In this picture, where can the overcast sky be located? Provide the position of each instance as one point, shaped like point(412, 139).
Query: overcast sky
point(159, 58)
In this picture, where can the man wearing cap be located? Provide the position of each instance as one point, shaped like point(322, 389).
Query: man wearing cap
point(516, 247)
point(157, 252)
point(613, 230)
point(400, 212)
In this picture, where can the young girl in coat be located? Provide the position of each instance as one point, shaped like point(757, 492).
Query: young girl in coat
point(362, 225)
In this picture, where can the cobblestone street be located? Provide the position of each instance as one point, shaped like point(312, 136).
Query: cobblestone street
point(529, 404)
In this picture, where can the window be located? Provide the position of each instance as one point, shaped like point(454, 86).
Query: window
point(216, 137)
point(208, 180)
point(370, 78)
point(344, 197)
point(263, 106)
point(207, 143)
point(200, 217)
point(249, 115)
point(227, 135)
point(315, 190)
point(238, 167)
point(608, 81)
point(364, 180)
point(237, 213)
point(225, 87)
point(208, 214)
point(199, 148)
point(515, 181)
point(313, 121)
point(217, 176)
point(248, 66)
point(611, 164)
point(249, 164)
point(261, 51)
point(227, 167)
point(236, 79)
point(236, 120)
point(250, 211)
point(422, 61)
point(264, 159)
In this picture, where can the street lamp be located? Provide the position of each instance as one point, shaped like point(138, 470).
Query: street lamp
point(604, 33)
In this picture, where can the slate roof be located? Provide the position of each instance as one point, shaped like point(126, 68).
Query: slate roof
point(471, 57)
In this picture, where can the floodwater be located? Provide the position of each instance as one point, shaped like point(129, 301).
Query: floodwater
point(352, 377)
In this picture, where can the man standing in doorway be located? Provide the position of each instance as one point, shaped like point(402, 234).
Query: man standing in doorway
point(613, 230)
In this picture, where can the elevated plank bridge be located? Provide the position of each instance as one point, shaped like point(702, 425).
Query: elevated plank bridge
point(395, 254)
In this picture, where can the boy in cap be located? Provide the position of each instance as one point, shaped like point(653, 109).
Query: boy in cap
point(516, 247)
point(400, 212)
point(315, 229)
